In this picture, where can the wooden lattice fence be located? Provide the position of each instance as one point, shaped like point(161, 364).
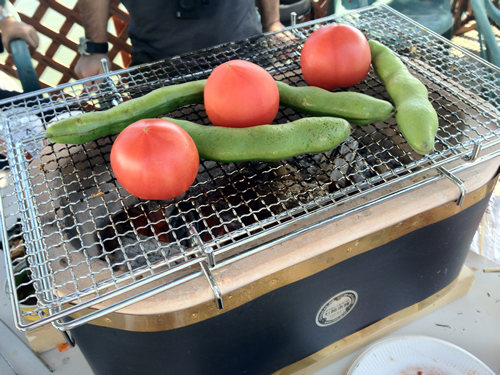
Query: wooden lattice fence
point(58, 25)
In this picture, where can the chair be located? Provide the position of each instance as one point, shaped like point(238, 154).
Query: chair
point(483, 11)
point(22, 57)
point(433, 14)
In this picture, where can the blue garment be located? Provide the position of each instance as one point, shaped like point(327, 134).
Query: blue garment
point(156, 30)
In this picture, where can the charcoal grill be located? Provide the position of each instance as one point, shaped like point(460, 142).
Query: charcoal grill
point(245, 232)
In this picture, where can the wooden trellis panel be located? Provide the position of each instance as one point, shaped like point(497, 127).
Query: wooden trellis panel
point(62, 53)
point(463, 17)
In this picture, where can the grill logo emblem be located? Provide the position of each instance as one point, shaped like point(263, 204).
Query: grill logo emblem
point(336, 308)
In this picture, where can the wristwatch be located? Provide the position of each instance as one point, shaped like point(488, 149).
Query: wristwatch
point(87, 47)
point(4, 14)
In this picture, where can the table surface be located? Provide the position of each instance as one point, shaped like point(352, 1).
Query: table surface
point(471, 322)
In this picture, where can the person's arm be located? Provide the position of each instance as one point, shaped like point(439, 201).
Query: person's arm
point(12, 28)
point(270, 15)
point(94, 16)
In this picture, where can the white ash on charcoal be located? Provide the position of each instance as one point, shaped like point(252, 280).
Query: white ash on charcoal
point(87, 219)
point(308, 177)
point(144, 234)
point(236, 195)
point(350, 167)
point(229, 196)
point(259, 190)
point(383, 149)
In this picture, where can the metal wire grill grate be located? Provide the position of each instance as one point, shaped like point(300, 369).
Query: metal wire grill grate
point(82, 239)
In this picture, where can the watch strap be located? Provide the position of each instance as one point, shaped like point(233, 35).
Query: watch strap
point(87, 47)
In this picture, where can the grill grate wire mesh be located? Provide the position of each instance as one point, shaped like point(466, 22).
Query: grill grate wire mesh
point(73, 237)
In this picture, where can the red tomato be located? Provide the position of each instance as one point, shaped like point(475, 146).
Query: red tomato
point(335, 56)
point(154, 159)
point(239, 94)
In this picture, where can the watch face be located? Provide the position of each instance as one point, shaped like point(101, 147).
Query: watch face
point(82, 46)
point(4, 14)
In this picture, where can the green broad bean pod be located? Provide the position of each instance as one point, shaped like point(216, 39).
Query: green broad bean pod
point(93, 125)
point(415, 115)
point(267, 142)
point(355, 107)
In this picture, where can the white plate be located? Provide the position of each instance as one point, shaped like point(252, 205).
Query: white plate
point(417, 355)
